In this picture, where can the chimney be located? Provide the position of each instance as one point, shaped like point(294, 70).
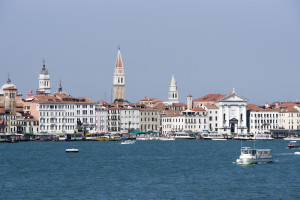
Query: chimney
point(189, 102)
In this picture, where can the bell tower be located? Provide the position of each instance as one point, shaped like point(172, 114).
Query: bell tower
point(173, 93)
point(44, 81)
point(119, 79)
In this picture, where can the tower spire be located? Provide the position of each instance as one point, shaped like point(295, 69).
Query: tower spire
point(8, 79)
point(59, 87)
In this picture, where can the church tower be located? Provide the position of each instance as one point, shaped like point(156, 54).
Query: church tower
point(173, 93)
point(44, 81)
point(119, 79)
point(10, 95)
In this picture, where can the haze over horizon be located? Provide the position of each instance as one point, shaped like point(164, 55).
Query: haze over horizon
point(209, 46)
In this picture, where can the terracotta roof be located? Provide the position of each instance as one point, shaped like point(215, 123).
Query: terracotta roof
point(189, 95)
point(61, 100)
point(1, 111)
point(210, 106)
point(179, 104)
point(211, 97)
point(149, 99)
point(289, 109)
point(198, 109)
point(171, 115)
point(160, 105)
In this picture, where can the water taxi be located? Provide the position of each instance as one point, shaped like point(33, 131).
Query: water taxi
point(166, 138)
point(72, 150)
point(254, 156)
point(243, 137)
point(292, 138)
point(128, 142)
point(212, 136)
point(262, 136)
point(107, 138)
point(293, 145)
point(182, 136)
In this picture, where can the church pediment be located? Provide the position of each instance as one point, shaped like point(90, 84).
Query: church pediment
point(234, 97)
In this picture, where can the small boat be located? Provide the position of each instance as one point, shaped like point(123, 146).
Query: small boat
point(182, 136)
point(128, 142)
point(291, 138)
point(246, 136)
point(297, 153)
point(166, 138)
point(293, 145)
point(218, 139)
point(72, 150)
point(263, 136)
point(254, 156)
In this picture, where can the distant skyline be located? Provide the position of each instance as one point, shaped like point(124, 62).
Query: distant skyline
point(210, 46)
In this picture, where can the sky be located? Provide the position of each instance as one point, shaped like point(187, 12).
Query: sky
point(211, 47)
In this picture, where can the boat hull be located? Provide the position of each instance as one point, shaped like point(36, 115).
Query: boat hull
point(250, 161)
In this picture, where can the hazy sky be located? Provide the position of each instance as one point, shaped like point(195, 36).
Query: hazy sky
point(210, 46)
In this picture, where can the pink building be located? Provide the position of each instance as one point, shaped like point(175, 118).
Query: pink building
point(101, 118)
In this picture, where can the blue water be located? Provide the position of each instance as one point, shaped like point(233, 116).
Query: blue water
point(196, 169)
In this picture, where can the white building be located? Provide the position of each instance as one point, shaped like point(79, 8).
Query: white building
point(231, 113)
point(194, 120)
point(262, 120)
point(129, 119)
point(59, 113)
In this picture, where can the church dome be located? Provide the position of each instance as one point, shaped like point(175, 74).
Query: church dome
point(6, 85)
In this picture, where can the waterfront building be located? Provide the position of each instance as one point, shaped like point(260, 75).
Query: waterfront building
point(231, 113)
point(173, 92)
point(261, 119)
point(129, 119)
point(149, 120)
point(60, 113)
point(101, 118)
point(212, 113)
point(14, 123)
point(119, 79)
point(114, 120)
point(289, 116)
point(44, 82)
point(194, 120)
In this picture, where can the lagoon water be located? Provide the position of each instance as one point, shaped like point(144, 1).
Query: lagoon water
point(194, 169)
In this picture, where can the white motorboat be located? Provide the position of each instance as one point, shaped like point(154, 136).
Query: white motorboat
point(262, 136)
point(291, 138)
point(72, 150)
point(218, 139)
point(182, 136)
point(243, 137)
point(254, 156)
point(297, 153)
point(166, 138)
point(128, 142)
point(213, 136)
